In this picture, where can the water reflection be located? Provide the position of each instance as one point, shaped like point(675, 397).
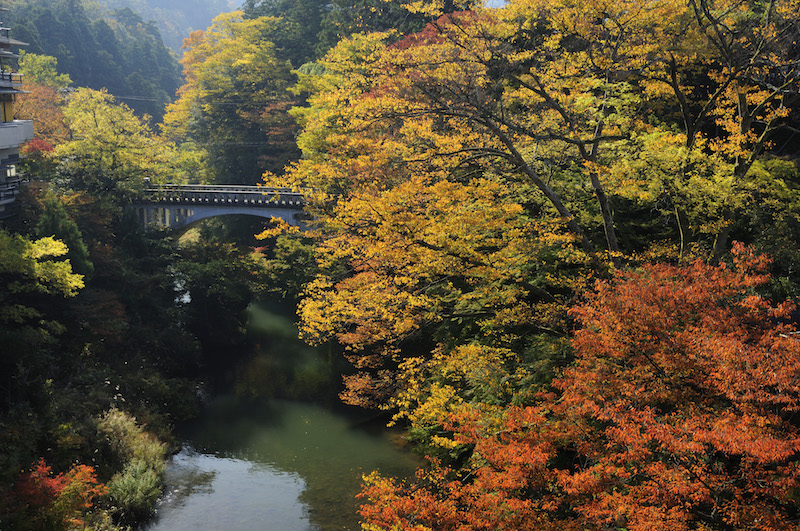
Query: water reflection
point(212, 492)
point(274, 465)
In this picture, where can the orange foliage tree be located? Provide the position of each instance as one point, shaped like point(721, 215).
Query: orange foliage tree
point(47, 501)
point(677, 414)
point(44, 98)
point(43, 104)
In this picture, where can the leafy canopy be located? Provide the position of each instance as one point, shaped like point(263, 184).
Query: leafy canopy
point(113, 152)
point(676, 414)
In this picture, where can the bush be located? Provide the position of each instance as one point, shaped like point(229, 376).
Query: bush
point(129, 441)
point(135, 489)
point(42, 500)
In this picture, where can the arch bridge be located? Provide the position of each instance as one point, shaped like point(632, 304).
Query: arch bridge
point(179, 205)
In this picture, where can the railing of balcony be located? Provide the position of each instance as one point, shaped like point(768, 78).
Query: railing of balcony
point(10, 77)
point(9, 188)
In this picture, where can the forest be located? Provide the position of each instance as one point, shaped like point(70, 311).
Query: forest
point(556, 242)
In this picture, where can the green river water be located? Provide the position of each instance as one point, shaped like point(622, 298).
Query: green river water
point(274, 464)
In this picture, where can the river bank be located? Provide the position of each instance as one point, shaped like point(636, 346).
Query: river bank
point(271, 446)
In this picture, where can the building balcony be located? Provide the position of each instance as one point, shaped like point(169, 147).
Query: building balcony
point(12, 134)
point(8, 197)
point(5, 39)
point(10, 79)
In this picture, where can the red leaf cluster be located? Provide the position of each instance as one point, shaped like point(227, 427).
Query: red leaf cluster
point(46, 501)
point(675, 415)
point(36, 146)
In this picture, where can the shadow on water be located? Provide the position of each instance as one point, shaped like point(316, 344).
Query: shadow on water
point(251, 461)
point(281, 364)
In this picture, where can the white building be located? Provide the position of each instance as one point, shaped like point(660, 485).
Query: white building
point(13, 132)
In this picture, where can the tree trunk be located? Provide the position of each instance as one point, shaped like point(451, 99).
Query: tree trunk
point(608, 219)
point(721, 243)
point(531, 173)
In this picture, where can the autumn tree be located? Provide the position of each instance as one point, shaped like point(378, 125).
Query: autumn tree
point(452, 381)
point(43, 105)
point(34, 279)
point(31, 267)
point(44, 500)
point(570, 107)
point(456, 261)
point(55, 222)
point(416, 133)
point(755, 81)
point(676, 414)
point(554, 93)
point(715, 377)
point(724, 73)
point(234, 102)
point(113, 152)
point(462, 90)
point(42, 70)
point(43, 101)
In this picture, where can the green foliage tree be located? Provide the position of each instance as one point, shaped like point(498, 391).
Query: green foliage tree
point(345, 18)
point(303, 22)
point(43, 70)
point(219, 281)
point(101, 49)
point(174, 18)
point(34, 276)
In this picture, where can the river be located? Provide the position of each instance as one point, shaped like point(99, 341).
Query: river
point(251, 463)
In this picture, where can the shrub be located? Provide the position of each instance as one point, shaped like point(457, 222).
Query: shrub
point(44, 501)
point(135, 489)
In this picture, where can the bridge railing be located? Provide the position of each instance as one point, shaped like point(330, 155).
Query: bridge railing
point(192, 194)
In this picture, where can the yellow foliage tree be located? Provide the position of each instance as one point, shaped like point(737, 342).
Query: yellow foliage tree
point(234, 101)
point(113, 152)
point(425, 255)
point(542, 104)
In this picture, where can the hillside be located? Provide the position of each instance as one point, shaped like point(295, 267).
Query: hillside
point(175, 18)
point(100, 48)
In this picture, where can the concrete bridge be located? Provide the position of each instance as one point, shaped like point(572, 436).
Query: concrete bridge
point(180, 205)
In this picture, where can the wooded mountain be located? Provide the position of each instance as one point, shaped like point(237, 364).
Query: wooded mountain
point(100, 48)
point(175, 18)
